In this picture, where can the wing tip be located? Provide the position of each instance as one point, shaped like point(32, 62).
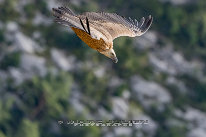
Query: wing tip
point(56, 12)
point(147, 24)
point(144, 25)
point(60, 11)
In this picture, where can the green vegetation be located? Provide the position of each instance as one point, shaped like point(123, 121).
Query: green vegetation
point(10, 60)
point(8, 11)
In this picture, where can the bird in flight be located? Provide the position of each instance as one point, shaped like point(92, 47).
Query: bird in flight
point(98, 30)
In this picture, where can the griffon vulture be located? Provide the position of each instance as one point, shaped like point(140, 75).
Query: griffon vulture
point(98, 30)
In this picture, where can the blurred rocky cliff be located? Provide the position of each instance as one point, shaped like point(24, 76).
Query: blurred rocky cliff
point(47, 74)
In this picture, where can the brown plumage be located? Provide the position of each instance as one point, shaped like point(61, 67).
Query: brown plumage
point(98, 30)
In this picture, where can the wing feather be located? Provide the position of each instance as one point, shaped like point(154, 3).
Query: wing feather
point(66, 17)
point(107, 26)
point(119, 26)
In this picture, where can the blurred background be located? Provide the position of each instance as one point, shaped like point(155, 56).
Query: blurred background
point(48, 74)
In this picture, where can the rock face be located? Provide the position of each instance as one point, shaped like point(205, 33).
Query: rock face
point(25, 44)
point(150, 93)
point(168, 61)
point(120, 108)
point(33, 65)
point(41, 19)
point(196, 121)
point(115, 82)
point(60, 59)
point(150, 128)
point(19, 40)
point(123, 131)
point(17, 75)
point(126, 97)
point(180, 2)
point(12, 27)
point(172, 81)
point(146, 41)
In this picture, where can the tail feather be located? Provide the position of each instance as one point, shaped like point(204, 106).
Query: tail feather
point(62, 11)
point(57, 13)
point(66, 17)
point(67, 10)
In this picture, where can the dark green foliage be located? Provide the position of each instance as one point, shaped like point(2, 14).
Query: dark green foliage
point(171, 132)
point(131, 61)
point(197, 93)
point(49, 94)
point(60, 39)
point(1, 36)
point(37, 99)
point(120, 89)
point(10, 60)
point(42, 7)
point(92, 86)
point(7, 10)
point(30, 11)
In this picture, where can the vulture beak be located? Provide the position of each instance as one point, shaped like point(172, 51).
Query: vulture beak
point(115, 60)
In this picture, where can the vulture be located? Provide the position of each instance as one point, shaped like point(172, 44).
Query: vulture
point(99, 29)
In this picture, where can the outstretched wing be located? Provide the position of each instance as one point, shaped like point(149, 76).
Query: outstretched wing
point(107, 26)
point(117, 25)
point(66, 17)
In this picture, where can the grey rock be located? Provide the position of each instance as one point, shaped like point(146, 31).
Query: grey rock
point(36, 35)
point(196, 117)
point(41, 19)
point(177, 83)
point(115, 82)
point(104, 114)
point(168, 61)
point(75, 99)
point(16, 75)
point(196, 121)
point(120, 107)
point(197, 132)
point(77, 105)
point(60, 60)
point(180, 2)
point(148, 129)
point(12, 27)
point(146, 41)
point(1, 1)
point(33, 65)
point(126, 94)
point(109, 134)
point(178, 112)
point(100, 72)
point(53, 3)
point(123, 131)
point(150, 93)
point(172, 122)
point(25, 44)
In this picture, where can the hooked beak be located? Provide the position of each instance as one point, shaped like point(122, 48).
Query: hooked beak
point(115, 60)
